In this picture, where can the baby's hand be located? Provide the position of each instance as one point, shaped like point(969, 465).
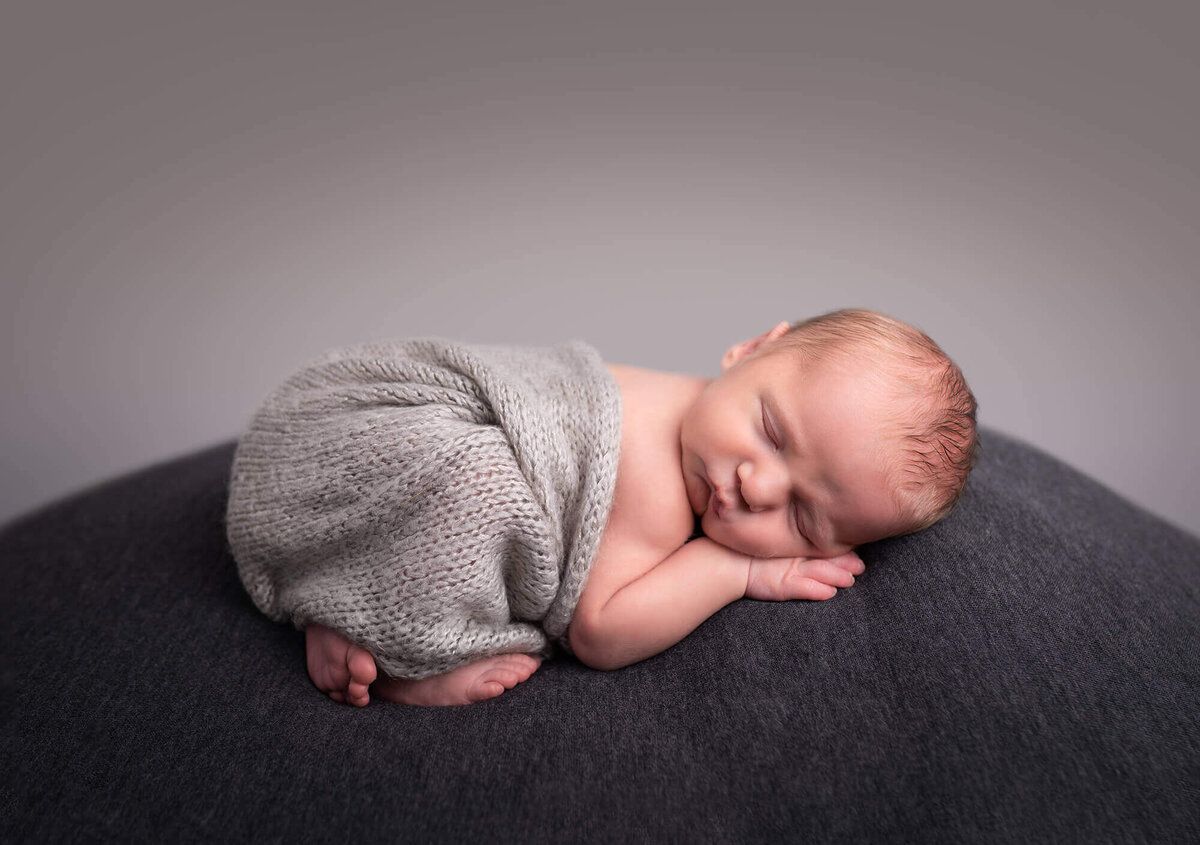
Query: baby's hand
point(784, 578)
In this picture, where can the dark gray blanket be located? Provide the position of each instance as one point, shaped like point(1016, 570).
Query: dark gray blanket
point(1026, 671)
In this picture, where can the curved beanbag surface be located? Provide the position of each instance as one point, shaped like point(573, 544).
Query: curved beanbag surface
point(1025, 671)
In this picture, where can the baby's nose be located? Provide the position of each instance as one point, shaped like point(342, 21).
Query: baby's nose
point(761, 489)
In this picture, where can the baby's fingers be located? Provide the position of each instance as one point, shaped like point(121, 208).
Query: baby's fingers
point(850, 562)
point(813, 590)
point(781, 579)
point(827, 572)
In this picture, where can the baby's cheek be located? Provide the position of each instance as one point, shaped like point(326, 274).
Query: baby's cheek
point(747, 541)
point(697, 493)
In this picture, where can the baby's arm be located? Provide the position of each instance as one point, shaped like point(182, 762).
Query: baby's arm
point(622, 623)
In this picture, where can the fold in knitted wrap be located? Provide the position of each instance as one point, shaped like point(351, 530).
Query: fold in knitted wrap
point(434, 502)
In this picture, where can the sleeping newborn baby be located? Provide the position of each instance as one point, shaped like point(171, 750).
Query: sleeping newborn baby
point(437, 516)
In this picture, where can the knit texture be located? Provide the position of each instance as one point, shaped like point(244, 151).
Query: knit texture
point(435, 502)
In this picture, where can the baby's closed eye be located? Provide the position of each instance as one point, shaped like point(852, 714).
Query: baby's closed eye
point(768, 430)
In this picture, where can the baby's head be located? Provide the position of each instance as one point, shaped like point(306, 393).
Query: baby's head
point(835, 431)
point(932, 425)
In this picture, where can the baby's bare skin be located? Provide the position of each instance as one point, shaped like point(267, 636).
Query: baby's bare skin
point(648, 587)
point(338, 667)
point(346, 673)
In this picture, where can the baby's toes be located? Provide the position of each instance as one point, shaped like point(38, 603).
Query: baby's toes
point(488, 689)
point(507, 671)
point(507, 678)
point(357, 694)
point(492, 683)
point(361, 665)
point(523, 665)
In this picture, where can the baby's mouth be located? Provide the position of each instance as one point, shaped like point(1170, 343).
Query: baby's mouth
point(716, 505)
point(719, 504)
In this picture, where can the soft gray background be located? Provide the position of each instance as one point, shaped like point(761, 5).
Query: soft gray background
point(197, 198)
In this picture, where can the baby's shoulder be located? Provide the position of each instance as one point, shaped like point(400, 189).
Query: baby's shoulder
point(650, 504)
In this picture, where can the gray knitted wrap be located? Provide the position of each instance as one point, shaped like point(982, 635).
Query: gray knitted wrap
point(435, 502)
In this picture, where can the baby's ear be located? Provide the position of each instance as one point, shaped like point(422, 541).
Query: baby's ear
point(739, 351)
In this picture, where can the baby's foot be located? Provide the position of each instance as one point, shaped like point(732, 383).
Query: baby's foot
point(478, 681)
point(339, 667)
point(816, 579)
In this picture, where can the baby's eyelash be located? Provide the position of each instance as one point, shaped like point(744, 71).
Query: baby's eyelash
point(767, 428)
point(799, 523)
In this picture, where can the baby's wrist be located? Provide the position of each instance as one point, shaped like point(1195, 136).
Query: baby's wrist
point(733, 567)
point(742, 564)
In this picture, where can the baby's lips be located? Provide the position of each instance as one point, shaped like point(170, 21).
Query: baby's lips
point(715, 504)
point(721, 502)
point(724, 502)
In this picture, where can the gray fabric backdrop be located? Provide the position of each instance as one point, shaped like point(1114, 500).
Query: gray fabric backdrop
point(197, 197)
